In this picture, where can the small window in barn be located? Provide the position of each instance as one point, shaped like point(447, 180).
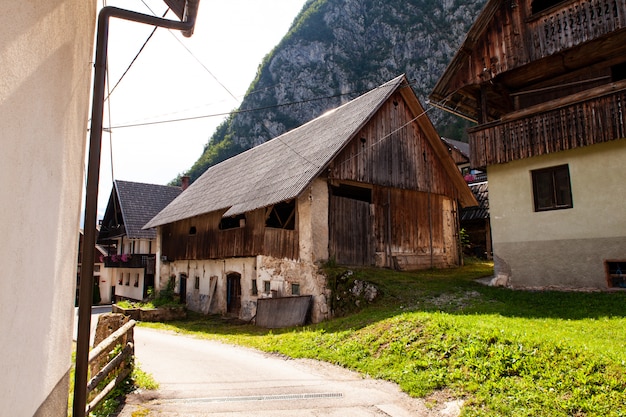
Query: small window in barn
point(281, 215)
point(266, 287)
point(121, 280)
point(618, 72)
point(552, 189)
point(615, 273)
point(255, 289)
point(233, 222)
point(192, 231)
point(196, 285)
point(136, 283)
point(127, 278)
point(353, 192)
point(541, 5)
point(295, 289)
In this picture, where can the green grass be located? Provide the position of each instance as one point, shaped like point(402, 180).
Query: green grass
point(505, 352)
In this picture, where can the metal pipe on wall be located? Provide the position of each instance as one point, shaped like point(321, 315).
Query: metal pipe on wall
point(93, 174)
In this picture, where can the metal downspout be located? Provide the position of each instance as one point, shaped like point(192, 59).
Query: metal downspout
point(93, 174)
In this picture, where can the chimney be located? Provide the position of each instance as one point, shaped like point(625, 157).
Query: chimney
point(184, 182)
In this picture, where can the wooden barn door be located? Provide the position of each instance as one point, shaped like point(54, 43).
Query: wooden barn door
point(350, 231)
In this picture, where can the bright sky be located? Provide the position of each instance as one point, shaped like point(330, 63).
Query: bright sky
point(175, 78)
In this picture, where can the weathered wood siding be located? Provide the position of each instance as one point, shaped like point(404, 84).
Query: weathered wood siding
point(397, 222)
point(596, 120)
point(516, 37)
point(392, 151)
point(572, 24)
point(351, 232)
point(209, 242)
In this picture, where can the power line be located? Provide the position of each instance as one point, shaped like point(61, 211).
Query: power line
point(135, 58)
point(256, 109)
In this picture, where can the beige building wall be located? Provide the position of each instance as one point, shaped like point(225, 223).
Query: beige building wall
point(313, 222)
point(561, 248)
point(46, 50)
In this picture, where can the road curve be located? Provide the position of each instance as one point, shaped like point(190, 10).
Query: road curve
point(200, 377)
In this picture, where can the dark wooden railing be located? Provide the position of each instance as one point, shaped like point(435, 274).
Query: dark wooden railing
point(587, 118)
point(120, 366)
point(560, 28)
point(128, 261)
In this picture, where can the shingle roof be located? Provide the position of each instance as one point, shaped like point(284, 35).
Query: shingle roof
point(462, 147)
point(278, 169)
point(139, 202)
point(481, 192)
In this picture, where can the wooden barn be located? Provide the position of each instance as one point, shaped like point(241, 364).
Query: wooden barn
point(545, 81)
point(368, 183)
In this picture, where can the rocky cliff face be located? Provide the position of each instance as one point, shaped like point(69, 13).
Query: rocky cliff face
point(335, 51)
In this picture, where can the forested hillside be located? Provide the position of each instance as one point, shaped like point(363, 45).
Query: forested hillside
point(335, 51)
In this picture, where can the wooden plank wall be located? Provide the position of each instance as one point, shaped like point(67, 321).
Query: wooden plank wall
point(394, 153)
point(413, 219)
point(573, 24)
point(350, 231)
point(210, 242)
point(401, 222)
point(516, 37)
point(585, 123)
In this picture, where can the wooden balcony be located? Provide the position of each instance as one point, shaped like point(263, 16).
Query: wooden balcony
point(129, 261)
point(594, 116)
point(565, 26)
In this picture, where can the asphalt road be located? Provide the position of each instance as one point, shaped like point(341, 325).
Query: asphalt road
point(206, 378)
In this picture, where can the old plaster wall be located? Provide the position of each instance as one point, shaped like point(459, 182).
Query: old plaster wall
point(313, 222)
point(284, 273)
point(45, 49)
point(280, 274)
point(208, 299)
point(561, 248)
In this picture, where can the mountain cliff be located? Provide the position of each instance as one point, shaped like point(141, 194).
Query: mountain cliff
point(335, 51)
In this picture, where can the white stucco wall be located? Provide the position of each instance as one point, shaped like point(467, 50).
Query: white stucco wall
point(46, 55)
point(106, 280)
point(560, 247)
point(129, 277)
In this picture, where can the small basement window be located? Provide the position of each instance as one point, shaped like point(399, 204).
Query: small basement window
point(196, 285)
point(552, 189)
point(295, 289)
point(233, 222)
point(615, 273)
point(255, 290)
point(266, 287)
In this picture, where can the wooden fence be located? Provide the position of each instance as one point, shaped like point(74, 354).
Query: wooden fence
point(119, 366)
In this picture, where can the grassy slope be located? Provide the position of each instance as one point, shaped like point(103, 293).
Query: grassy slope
point(508, 353)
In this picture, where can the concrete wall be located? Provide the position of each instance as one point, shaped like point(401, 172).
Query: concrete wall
point(46, 54)
point(563, 248)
